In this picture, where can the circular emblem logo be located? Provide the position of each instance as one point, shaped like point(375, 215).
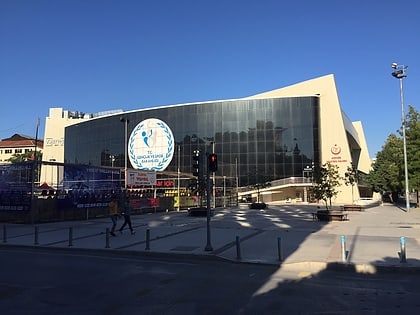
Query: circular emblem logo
point(151, 145)
point(335, 149)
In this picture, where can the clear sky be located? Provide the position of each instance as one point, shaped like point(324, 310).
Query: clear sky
point(97, 55)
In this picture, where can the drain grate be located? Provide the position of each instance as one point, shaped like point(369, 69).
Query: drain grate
point(185, 248)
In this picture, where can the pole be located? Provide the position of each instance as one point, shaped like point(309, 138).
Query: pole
point(343, 249)
point(125, 121)
point(403, 258)
point(34, 172)
point(237, 181)
point(224, 191)
point(238, 248)
point(400, 73)
point(280, 249)
point(213, 180)
point(70, 236)
point(125, 152)
point(407, 192)
point(179, 162)
point(107, 238)
point(208, 247)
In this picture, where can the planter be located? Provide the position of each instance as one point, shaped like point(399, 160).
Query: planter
point(258, 205)
point(331, 215)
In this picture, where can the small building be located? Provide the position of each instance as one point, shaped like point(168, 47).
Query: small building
point(19, 144)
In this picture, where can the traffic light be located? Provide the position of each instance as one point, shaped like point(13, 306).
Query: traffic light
point(212, 162)
point(196, 163)
point(197, 167)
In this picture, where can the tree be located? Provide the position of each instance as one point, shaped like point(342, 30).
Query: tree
point(413, 147)
point(387, 174)
point(23, 157)
point(327, 179)
point(258, 187)
point(28, 156)
point(351, 177)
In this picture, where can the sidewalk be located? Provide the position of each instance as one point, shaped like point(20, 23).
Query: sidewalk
point(283, 235)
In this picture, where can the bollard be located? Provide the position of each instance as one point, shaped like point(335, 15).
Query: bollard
point(107, 238)
point(36, 236)
point(238, 248)
point(147, 239)
point(343, 249)
point(279, 249)
point(4, 234)
point(70, 236)
point(403, 258)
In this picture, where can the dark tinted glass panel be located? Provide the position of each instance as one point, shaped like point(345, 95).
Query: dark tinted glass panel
point(255, 139)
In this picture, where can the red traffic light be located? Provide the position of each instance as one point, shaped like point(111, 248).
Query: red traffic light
point(213, 162)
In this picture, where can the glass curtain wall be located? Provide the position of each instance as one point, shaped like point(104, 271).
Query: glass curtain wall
point(256, 140)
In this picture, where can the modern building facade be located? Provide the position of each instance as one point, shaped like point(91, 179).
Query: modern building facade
point(276, 137)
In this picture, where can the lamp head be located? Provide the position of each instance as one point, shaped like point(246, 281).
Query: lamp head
point(394, 65)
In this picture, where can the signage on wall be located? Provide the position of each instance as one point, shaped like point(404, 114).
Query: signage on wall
point(151, 145)
point(141, 178)
point(336, 158)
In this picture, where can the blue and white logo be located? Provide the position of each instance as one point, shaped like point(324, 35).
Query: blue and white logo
point(151, 145)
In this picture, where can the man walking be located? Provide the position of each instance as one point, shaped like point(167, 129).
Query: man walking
point(126, 212)
point(114, 213)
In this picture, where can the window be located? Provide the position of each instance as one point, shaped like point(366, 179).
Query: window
point(8, 151)
point(18, 150)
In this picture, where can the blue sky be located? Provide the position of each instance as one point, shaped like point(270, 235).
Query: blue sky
point(97, 55)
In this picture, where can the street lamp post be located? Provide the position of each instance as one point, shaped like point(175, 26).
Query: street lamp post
point(400, 73)
point(224, 191)
point(125, 121)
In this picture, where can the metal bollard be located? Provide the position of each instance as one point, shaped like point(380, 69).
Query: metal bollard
point(279, 248)
point(147, 239)
point(36, 236)
point(343, 249)
point(4, 234)
point(238, 248)
point(70, 236)
point(107, 238)
point(403, 258)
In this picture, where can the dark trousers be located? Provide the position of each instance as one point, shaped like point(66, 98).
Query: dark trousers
point(114, 219)
point(127, 220)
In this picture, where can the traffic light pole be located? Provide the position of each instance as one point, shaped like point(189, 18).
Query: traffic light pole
point(208, 247)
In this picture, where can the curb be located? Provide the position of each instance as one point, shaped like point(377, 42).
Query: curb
point(309, 267)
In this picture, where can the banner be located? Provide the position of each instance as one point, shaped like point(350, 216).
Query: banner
point(140, 178)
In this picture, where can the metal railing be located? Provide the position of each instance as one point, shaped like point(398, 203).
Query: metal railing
point(291, 181)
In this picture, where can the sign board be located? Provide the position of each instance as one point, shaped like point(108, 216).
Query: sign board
point(151, 145)
point(141, 178)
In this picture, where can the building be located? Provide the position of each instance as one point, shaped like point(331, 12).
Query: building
point(276, 136)
point(19, 144)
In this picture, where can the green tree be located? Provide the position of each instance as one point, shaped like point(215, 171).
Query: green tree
point(258, 187)
point(26, 157)
point(327, 179)
point(413, 147)
point(351, 177)
point(387, 174)
point(23, 157)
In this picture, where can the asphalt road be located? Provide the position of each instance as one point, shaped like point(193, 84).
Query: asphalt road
point(38, 281)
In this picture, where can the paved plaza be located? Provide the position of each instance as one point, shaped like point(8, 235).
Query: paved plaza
point(286, 235)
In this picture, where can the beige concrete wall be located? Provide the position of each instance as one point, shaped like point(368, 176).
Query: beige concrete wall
point(334, 144)
point(55, 124)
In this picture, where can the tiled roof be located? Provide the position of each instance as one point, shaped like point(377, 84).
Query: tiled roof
point(21, 143)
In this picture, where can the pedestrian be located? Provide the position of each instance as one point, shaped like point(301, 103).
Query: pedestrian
point(114, 213)
point(126, 212)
